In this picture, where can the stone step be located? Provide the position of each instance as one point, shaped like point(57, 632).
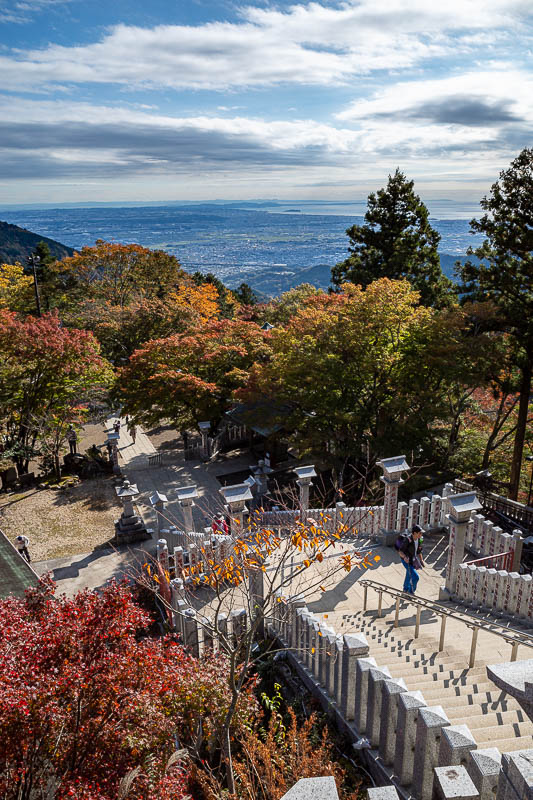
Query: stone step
point(481, 703)
point(475, 720)
point(433, 692)
point(493, 733)
point(512, 745)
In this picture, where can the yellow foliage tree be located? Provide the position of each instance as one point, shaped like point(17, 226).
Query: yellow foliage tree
point(15, 288)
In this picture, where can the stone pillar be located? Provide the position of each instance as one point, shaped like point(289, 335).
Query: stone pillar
point(429, 727)
point(462, 506)
point(401, 516)
point(516, 547)
point(524, 593)
point(238, 621)
point(484, 770)
point(355, 646)
point(162, 553)
point(389, 715)
point(454, 783)
point(393, 468)
point(412, 515)
point(489, 588)
point(478, 520)
point(339, 649)
point(158, 501)
point(186, 496)
point(363, 665)
point(435, 512)
point(501, 587)
point(510, 605)
point(190, 632)
point(409, 705)
point(330, 663)
point(376, 679)
point(305, 476)
point(423, 514)
point(455, 745)
point(479, 580)
point(486, 530)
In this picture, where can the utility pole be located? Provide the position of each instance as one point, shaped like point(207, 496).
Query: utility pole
point(33, 262)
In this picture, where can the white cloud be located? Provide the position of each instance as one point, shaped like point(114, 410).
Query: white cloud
point(307, 44)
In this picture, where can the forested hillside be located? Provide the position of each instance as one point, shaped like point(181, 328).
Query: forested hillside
point(16, 244)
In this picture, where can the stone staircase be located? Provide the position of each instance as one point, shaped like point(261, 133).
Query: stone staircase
point(467, 696)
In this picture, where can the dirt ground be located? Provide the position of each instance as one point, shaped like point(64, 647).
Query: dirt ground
point(62, 522)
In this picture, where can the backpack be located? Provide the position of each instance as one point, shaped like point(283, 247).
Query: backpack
point(401, 542)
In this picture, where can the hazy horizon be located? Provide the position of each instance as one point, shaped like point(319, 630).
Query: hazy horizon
point(289, 99)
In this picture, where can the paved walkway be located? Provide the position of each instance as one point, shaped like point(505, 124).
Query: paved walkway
point(92, 570)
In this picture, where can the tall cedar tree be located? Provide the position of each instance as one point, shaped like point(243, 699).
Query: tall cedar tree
point(396, 242)
point(503, 273)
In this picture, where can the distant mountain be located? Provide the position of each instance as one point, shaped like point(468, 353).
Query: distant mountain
point(273, 281)
point(16, 244)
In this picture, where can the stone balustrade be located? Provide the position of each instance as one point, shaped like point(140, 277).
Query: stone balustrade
point(430, 758)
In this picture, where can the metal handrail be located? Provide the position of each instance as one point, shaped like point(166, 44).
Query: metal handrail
point(510, 635)
point(506, 563)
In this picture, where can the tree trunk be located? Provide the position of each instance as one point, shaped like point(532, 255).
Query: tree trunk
point(520, 435)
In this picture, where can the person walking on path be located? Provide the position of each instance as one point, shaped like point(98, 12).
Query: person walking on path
point(72, 438)
point(116, 426)
point(133, 432)
point(21, 543)
point(411, 555)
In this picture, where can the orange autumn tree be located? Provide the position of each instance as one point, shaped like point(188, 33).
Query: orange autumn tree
point(191, 376)
point(116, 273)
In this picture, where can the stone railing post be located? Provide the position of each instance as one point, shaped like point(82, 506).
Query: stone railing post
point(454, 783)
point(389, 715)
point(363, 667)
point(516, 547)
point(162, 553)
point(376, 680)
point(186, 496)
point(484, 770)
point(355, 646)
point(409, 705)
point(429, 727)
point(516, 779)
point(305, 476)
point(393, 468)
point(462, 506)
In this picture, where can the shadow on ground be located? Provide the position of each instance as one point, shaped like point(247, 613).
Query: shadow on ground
point(95, 494)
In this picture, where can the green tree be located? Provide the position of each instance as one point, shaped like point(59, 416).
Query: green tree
point(245, 294)
point(396, 242)
point(503, 272)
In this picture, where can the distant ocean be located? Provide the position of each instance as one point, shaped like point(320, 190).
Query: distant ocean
point(270, 247)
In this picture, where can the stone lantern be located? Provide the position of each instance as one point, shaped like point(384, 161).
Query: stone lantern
point(236, 498)
point(113, 439)
point(130, 527)
point(305, 476)
point(158, 502)
point(205, 428)
point(261, 473)
point(462, 506)
point(186, 496)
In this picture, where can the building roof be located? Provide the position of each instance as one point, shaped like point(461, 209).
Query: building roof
point(264, 417)
point(16, 575)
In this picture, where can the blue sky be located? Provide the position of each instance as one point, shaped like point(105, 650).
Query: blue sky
point(196, 100)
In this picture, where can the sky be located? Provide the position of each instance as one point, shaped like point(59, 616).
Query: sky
point(187, 100)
